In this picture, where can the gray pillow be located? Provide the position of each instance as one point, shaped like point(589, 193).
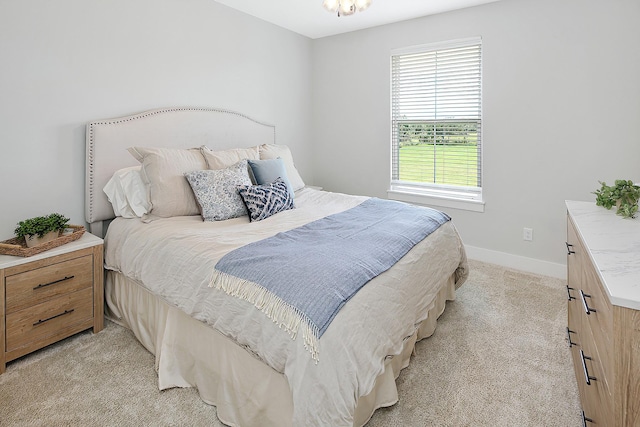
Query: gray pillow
point(273, 151)
point(217, 191)
point(266, 172)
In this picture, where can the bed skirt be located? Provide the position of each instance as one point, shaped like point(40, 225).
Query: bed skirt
point(245, 391)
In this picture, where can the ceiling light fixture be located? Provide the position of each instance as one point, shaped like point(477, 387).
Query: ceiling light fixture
point(346, 7)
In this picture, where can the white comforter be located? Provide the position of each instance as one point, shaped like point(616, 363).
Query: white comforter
point(175, 257)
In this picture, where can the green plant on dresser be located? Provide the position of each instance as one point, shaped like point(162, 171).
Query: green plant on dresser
point(624, 194)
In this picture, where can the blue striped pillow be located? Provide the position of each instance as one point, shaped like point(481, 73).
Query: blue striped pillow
point(266, 200)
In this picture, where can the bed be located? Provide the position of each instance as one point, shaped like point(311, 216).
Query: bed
point(158, 284)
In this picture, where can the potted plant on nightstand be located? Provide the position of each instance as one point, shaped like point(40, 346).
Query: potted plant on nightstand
point(41, 229)
point(624, 194)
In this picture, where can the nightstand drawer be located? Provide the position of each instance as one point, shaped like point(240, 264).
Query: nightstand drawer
point(62, 316)
point(35, 286)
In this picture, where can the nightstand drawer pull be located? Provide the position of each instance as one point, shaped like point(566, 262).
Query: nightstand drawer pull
point(40, 322)
point(42, 285)
point(569, 332)
point(587, 377)
point(584, 297)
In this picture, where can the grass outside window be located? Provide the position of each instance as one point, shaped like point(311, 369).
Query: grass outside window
point(450, 164)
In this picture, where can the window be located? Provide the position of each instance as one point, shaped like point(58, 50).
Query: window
point(436, 123)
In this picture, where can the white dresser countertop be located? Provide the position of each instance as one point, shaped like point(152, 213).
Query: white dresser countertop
point(613, 244)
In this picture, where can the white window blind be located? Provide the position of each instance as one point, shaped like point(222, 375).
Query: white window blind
point(436, 108)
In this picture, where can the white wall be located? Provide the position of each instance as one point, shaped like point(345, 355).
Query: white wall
point(561, 99)
point(561, 109)
point(66, 62)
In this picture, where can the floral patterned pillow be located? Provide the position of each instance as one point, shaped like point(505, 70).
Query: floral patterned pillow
point(217, 191)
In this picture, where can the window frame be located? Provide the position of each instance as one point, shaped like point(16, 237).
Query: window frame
point(452, 196)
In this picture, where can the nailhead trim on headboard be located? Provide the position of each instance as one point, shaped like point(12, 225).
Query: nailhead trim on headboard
point(91, 142)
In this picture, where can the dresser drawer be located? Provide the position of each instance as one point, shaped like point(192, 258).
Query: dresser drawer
point(600, 321)
point(599, 389)
point(41, 284)
point(574, 337)
point(62, 316)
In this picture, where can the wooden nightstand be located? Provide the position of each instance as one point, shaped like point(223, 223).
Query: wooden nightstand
point(50, 296)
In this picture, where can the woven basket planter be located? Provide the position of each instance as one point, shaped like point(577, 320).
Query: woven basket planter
point(18, 246)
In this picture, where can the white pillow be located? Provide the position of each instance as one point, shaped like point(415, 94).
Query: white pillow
point(272, 151)
point(128, 193)
point(225, 158)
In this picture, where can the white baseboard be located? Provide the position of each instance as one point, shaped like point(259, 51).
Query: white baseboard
point(517, 262)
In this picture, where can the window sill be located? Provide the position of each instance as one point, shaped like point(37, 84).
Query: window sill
point(432, 200)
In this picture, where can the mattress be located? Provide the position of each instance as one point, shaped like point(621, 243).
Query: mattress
point(158, 286)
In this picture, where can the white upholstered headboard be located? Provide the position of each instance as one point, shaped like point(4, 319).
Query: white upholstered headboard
point(107, 142)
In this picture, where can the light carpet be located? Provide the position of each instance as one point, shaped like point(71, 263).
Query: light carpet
point(499, 357)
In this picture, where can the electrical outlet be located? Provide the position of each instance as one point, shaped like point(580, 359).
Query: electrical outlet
point(527, 234)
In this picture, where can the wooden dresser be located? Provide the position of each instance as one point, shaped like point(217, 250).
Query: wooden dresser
point(50, 296)
point(603, 291)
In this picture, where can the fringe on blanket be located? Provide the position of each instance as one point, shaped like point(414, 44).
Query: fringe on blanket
point(284, 315)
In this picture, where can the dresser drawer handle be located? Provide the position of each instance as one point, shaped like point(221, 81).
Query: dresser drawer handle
point(585, 420)
point(584, 297)
point(587, 377)
point(40, 322)
point(569, 246)
point(569, 297)
point(42, 285)
point(569, 332)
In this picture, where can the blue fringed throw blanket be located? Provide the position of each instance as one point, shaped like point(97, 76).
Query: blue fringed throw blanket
point(302, 277)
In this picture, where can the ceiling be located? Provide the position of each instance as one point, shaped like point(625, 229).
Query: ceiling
point(309, 18)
